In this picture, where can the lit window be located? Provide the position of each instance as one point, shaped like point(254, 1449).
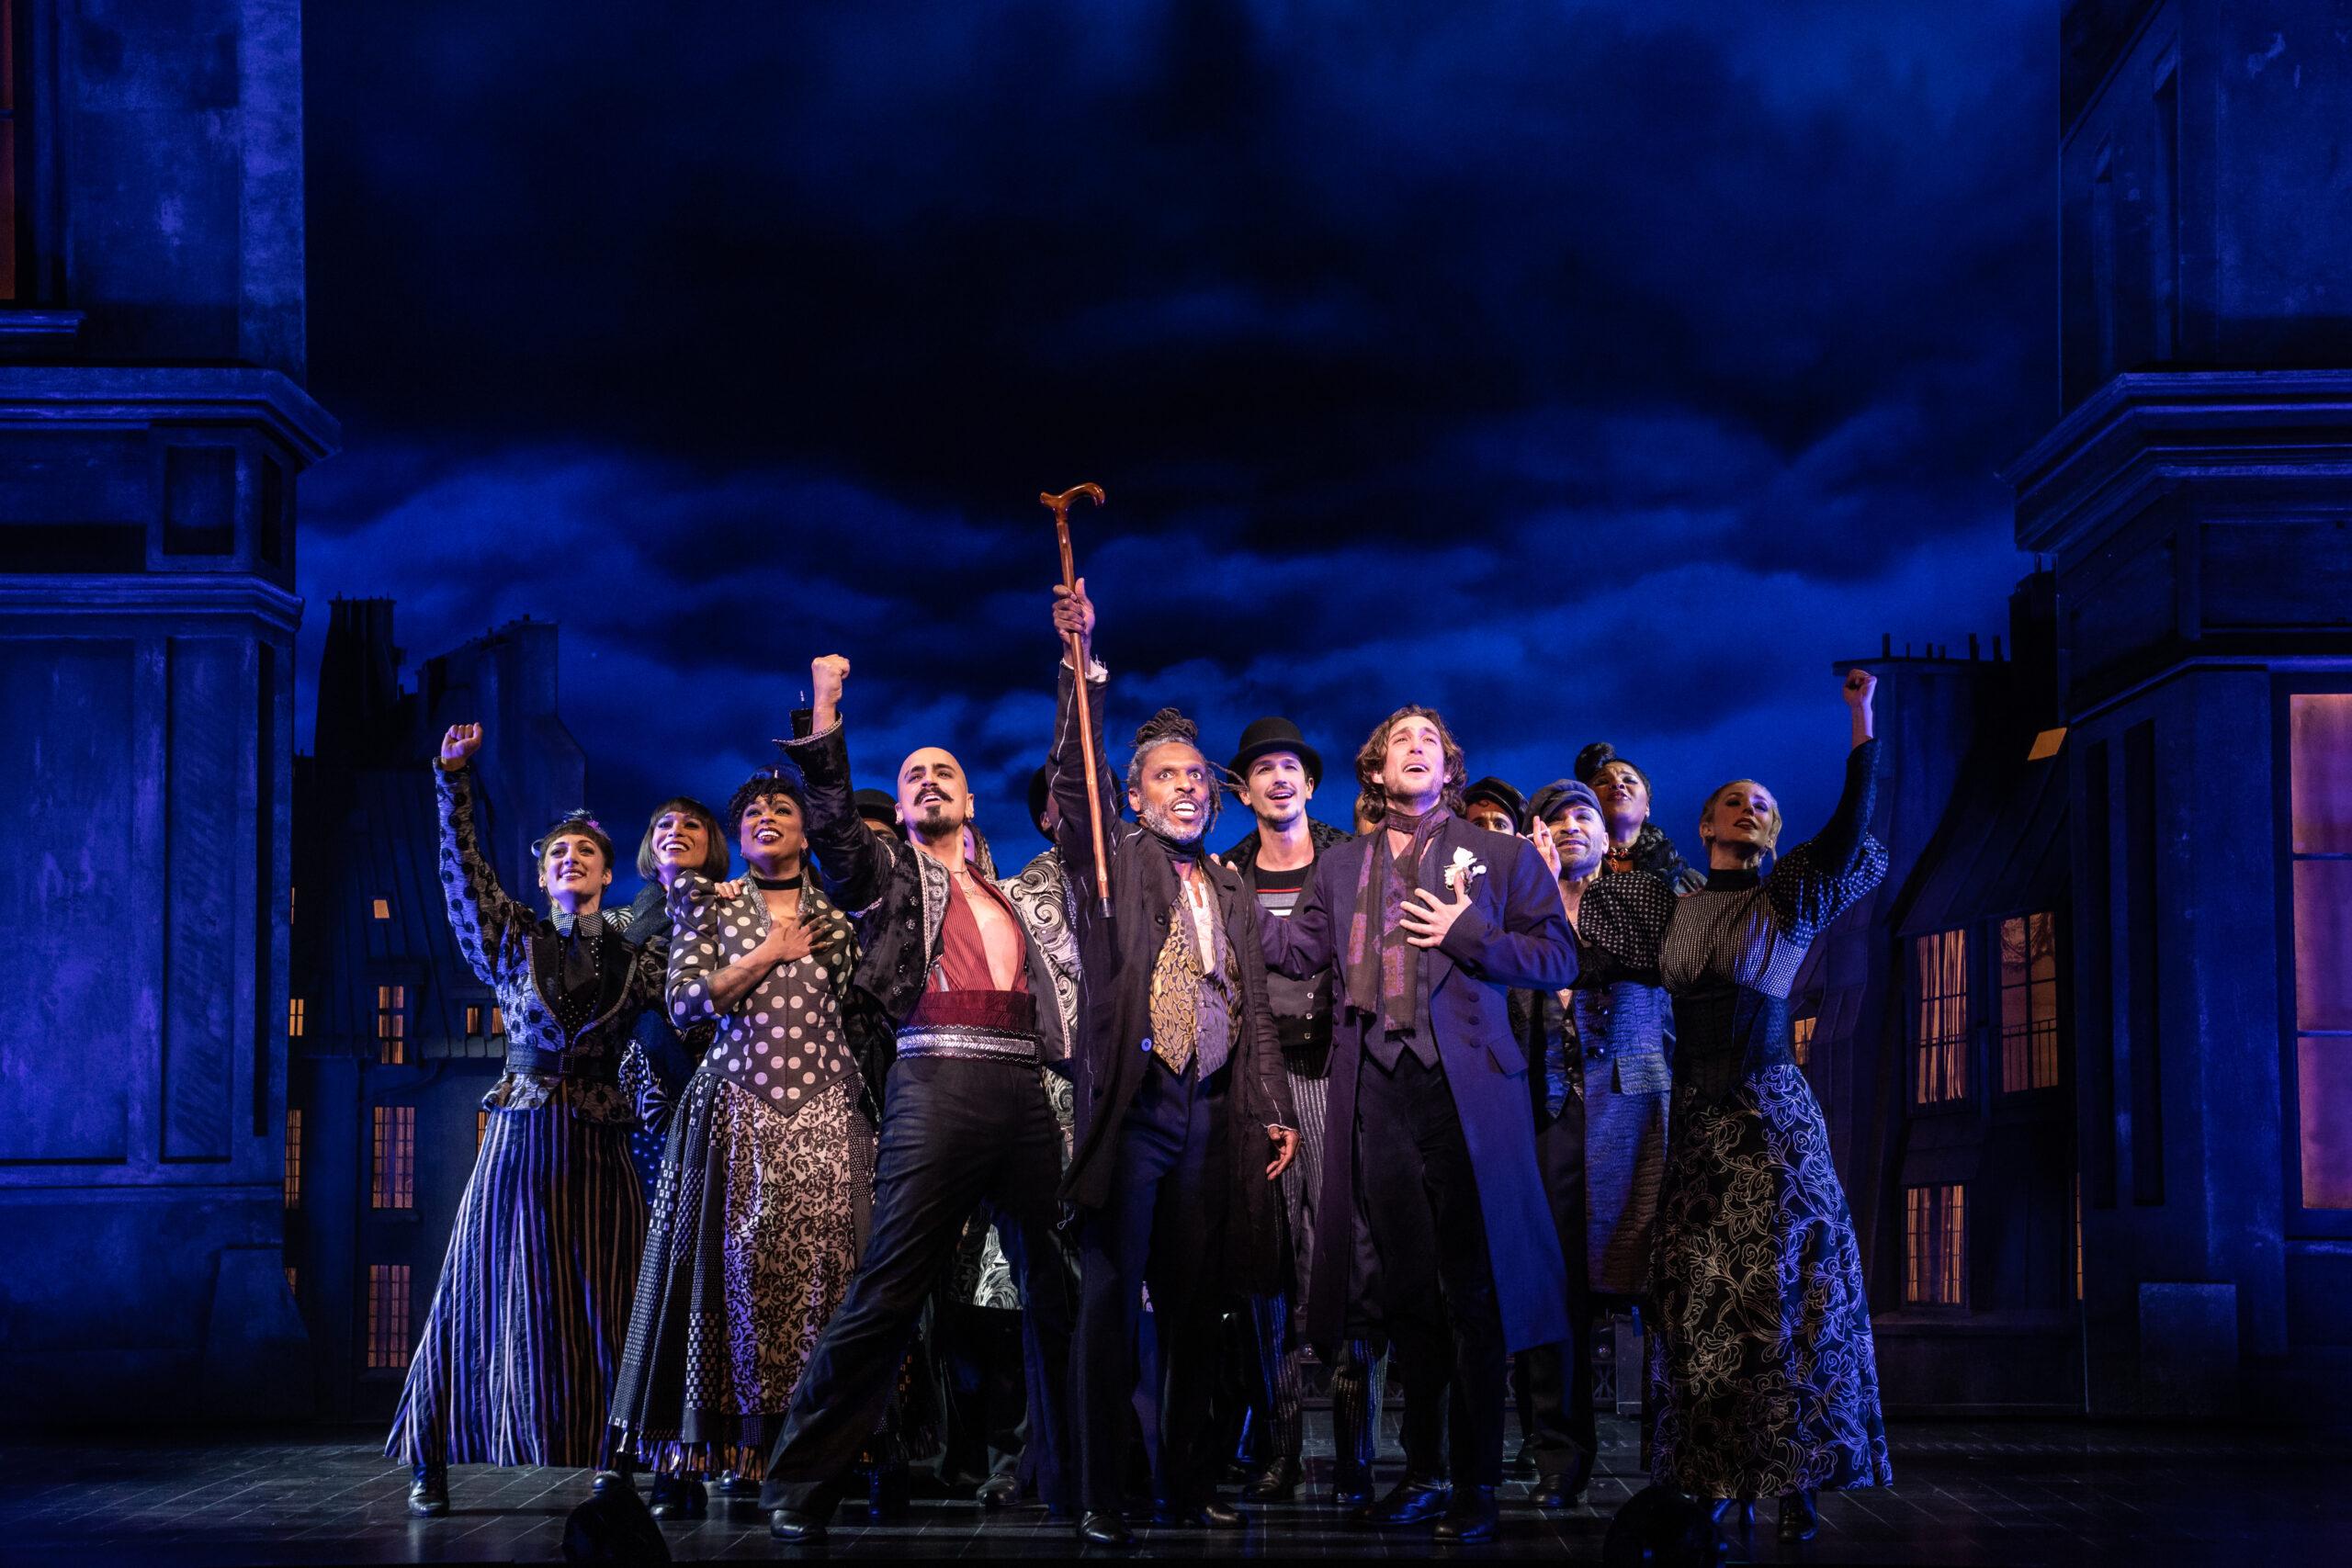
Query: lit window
point(293, 1017)
point(383, 908)
point(291, 1288)
point(2319, 732)
point(293, 1156)
point(2029, 1003)
point(1801, 1034)
point(395, 1184)
point(388, 1314)
point(498, 1020)
point(391, 1025)
point(1935, 1245)
point(2046, 744)
point(481, 1127)
point(1939, 1043)
point(473, 1021)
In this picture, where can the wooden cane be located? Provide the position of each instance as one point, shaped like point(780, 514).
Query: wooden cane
point(1060, 505)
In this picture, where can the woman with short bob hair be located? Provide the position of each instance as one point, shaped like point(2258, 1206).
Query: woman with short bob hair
point(514, 1363)
point(1763, 1375)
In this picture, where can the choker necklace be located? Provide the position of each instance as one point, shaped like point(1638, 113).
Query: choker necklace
point(775, 883)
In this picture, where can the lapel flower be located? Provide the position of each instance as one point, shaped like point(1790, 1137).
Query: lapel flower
point(1465, 866)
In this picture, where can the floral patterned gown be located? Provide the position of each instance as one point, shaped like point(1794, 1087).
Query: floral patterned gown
point(766, 1181)
point(1762, 1374)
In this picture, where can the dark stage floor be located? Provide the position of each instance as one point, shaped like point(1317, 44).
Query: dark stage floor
point(1965, 1494)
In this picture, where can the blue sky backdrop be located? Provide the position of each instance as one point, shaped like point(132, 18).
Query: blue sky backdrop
point(1585, 370)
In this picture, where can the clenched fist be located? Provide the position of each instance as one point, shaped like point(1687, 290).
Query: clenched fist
point(827, 672)
point(461, 743)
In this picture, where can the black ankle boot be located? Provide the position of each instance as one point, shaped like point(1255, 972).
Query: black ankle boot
point(1471, 1516)
point(1409, 1502)
point(1799, 1517)
point(428, 1493)
point(1278, 1482)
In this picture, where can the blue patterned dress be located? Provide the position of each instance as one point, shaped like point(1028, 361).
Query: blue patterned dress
point(1762, 1374)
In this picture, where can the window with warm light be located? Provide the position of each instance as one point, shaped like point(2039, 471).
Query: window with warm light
point(387, 1329)
point(473, 1021)
point(1935, 1245)
point(383, 908)
point(1801, 1038)
point(2318, 746)
point(395, 1181)
point(293, 1156)
point(498, 1020)
point(391, 1025)
point(2029, 1003)
point(294, 1020)
point(1939, 1034)
point(481, 1127)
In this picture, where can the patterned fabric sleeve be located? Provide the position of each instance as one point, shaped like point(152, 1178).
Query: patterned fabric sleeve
point(492, 930)
point(695, 907)
point(645, 1089)
point(1835, 869)
point(1621, 926)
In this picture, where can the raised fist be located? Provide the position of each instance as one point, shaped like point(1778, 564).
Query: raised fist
point(1861, 686)
point(462, 741)
point(827, 672)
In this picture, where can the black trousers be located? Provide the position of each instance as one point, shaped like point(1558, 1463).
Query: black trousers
point(1436, 1281)
point(1553, 1382)
point(1161, 1226)
point(956, 1134)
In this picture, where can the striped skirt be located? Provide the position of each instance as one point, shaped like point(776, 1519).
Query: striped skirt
point(516, 1362)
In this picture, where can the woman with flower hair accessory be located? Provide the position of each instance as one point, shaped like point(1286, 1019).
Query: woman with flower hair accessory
point(514, 1363)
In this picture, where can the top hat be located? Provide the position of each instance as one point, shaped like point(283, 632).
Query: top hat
point(1269, 734)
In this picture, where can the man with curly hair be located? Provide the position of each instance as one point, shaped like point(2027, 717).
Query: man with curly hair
point(1427, 922)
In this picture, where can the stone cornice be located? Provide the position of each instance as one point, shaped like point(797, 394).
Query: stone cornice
point(56, 395)
point(2143, 433)
point(149, 593)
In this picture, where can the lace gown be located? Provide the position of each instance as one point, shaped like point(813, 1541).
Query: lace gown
point(1763, 1375)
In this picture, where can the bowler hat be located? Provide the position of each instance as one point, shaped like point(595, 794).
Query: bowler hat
point(1271, 734)
point(874, 806)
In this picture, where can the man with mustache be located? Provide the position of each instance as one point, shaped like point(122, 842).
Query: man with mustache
point(1426, 921)
point(961, 964)
point(1182, 1097)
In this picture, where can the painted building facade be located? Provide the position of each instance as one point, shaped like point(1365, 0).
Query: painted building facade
point(153, 432)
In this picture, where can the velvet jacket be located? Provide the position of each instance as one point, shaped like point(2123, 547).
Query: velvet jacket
point(1514, 933)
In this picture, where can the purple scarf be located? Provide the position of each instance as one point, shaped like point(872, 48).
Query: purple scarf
point(1380, 962)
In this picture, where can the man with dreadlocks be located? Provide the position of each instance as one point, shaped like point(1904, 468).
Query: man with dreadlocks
point(1426, 923)
point(960, 962)
point(1184, 1113)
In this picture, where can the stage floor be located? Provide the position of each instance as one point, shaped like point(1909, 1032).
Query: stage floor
point(1989, 1494)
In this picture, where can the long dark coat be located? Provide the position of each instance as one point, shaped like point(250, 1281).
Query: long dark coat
point(1116, 959)
point(1514, 933)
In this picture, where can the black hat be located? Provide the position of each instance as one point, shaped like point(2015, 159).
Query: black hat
point(874, 806)
point(1271, 734)
point(1041, 790)
point(1501, 794)
point(1559, 795)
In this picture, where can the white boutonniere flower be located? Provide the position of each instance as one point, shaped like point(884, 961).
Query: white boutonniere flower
point(1465, 866)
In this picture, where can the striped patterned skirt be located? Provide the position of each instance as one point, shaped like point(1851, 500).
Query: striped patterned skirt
point(758, 1223)
point(516, 1362)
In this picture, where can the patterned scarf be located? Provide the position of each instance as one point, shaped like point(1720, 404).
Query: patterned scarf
point(1380, 962)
